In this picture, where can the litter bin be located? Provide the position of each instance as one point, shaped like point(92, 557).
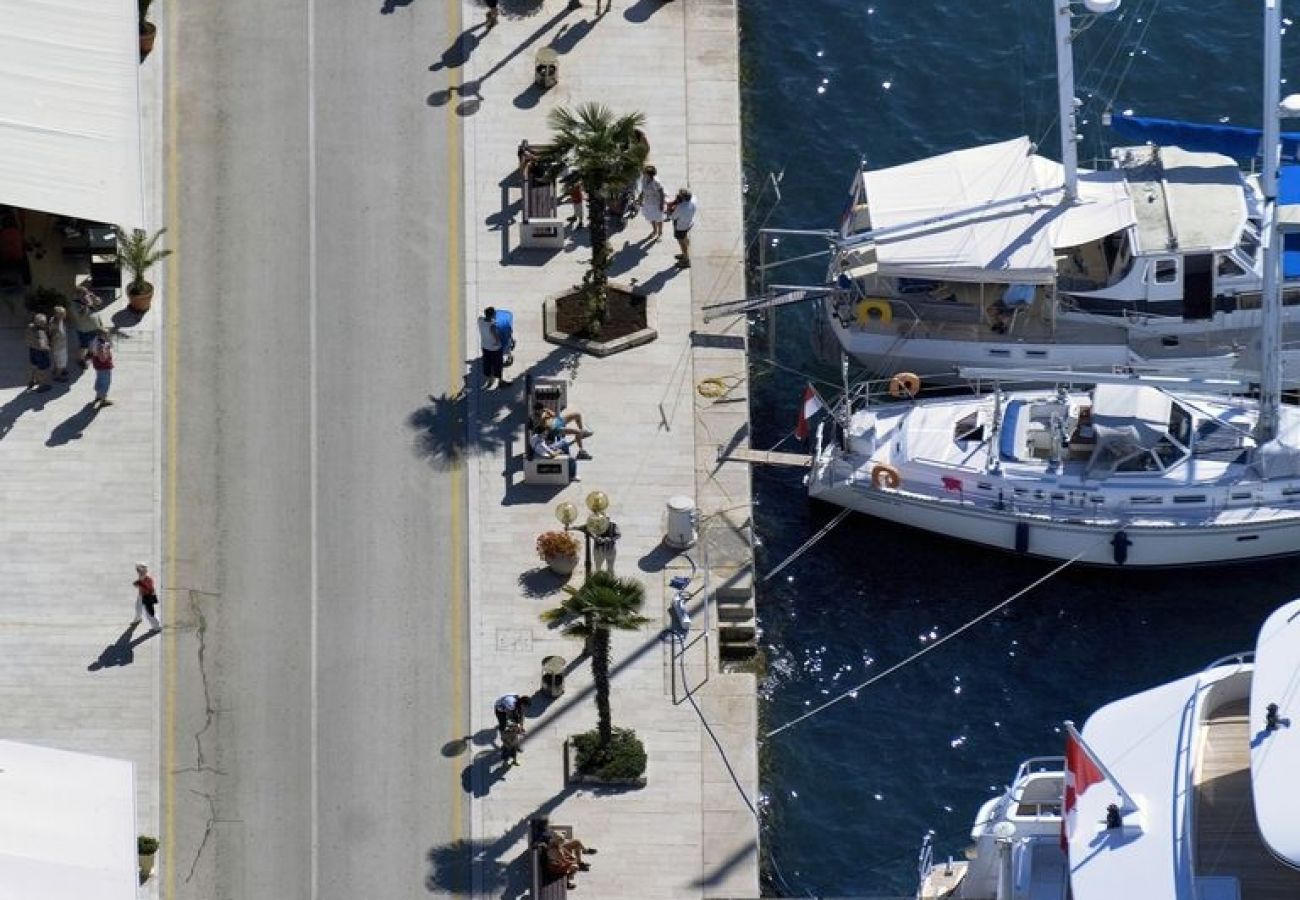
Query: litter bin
point(553, 675)
point(681, 523)
point(546, 68)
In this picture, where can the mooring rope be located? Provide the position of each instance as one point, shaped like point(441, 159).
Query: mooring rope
point(807, 545)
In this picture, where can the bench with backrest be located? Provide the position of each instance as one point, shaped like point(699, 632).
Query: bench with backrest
point(545, 885)
point(541, 226)
point(554, 392)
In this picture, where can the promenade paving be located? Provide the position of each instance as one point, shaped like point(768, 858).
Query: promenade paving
point(688, 833)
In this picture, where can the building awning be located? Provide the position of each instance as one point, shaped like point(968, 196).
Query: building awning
point(67, 825)
point(70, 109)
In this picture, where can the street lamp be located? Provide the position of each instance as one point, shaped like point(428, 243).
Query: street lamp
point(597, 522)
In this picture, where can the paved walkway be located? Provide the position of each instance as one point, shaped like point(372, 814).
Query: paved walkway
point(688, 833)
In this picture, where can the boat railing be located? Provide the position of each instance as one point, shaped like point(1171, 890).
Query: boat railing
point(925, 858)
point(1241, 658)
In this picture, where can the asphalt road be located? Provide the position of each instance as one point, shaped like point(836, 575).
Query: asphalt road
point(315, 529)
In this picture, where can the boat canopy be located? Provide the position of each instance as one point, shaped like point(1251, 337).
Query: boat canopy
point(1273, 753)
point(989, 214)
point(1129, 417)
point(1185, 202)
point(1241, 144)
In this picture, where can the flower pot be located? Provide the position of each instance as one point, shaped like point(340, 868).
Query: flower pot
point(148, 31)
point(140, 300)
point(146, 866)
point(562, 565)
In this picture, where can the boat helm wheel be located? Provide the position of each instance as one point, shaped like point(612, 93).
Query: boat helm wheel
point(905, 384)
point(873, 309)
point(884, 475)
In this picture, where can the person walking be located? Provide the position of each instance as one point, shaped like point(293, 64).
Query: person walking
point(59, 343)
point(101, 357)
point(578, 200)
point(510, 708)
point(38, 353)
point(85, 320)
point(512, 743)
point(605, 548)
point(493, 350)
point(146, 598)
point(682, 213)
point(652, 202)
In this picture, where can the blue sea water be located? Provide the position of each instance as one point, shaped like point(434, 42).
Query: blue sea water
point(849, 793)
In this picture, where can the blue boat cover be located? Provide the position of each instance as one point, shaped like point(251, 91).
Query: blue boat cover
point(1288, 194)
point(1007, 435)
point(1242, 144)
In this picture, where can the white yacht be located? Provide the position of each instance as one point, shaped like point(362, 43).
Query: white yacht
point(1187, 791)
point(995, 256)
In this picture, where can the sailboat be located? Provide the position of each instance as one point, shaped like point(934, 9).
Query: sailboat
point(1133, 471)
point(995, 256)
point(1186, 791)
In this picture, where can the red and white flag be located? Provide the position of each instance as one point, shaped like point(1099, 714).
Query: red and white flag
point(1082, 770)
point(807, 409)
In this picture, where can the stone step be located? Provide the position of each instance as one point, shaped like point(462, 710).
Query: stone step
point(734, 586)
point(736, 634)
point(737, 652)
point(735, 612)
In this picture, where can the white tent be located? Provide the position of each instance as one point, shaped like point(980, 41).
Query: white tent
point(70, 109)
point(67, 825)
point(990, 213)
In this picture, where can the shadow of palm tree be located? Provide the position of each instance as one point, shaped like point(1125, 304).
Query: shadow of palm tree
point(520, 9)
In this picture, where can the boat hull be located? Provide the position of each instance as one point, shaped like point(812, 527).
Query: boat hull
point(1087, 543)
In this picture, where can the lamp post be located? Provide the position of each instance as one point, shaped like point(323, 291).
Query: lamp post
point(597, 522)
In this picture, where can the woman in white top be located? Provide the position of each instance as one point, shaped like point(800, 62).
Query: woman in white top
point(652, 202)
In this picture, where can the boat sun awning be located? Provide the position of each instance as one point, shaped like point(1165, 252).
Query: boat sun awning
point(986, 214)
point(70, 112)
point(67, 825)
point(1274, 784)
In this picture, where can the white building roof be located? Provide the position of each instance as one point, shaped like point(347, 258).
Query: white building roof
point(67, 825)
point(988, 228)
point(70, 109)
point(1274, 754)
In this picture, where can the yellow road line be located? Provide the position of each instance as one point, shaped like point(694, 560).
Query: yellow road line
point(455, 347)
point(170, 388)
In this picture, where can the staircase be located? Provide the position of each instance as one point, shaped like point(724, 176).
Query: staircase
point(737, 625)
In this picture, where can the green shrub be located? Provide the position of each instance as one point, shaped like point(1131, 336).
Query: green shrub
point(146, 845)
point(623, 758)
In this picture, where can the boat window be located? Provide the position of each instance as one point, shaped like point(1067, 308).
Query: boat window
point(1166, 271)
point(969, 428)
point(1036, 354)
point(1146, 500)
point(1241, 495)
point(1227, 267)
point(999, 353)
point(1290, 491)
point(1189, 498)
point(1167, 452)
point(1180, 424)
point(1143, 461)
point(1249, 243)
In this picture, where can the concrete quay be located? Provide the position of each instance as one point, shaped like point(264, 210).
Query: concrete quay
point(689, 831)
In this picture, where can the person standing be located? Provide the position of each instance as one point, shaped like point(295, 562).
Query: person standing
point(512, 743)
point(510, 708)
point(682, 213)
point(493, 350)
point(652, 202)
point(146, 598)
point(59, 343)
point(101, 357)
point(85, 320)
point(605, 548)
point(38, 353)
point(578, 200)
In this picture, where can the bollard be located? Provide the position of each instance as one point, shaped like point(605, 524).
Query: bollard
point(553, 675)
point(546, 68)
point(681, 523)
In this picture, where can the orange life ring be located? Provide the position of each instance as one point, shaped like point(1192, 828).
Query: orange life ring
point(905, 384)
point(884, 475)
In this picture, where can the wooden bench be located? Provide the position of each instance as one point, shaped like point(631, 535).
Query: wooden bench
point(545, 885)
point(541, 227)
point(554, 393)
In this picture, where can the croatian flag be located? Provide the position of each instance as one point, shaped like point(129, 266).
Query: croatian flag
point(1082, 770)
point(807, 409)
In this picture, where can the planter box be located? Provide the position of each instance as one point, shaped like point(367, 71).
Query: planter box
point(551, 330)
point(572, 777)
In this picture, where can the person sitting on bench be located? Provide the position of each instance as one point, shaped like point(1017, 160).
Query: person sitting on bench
point(557, 425)
point(547, 446)
point(565, 857)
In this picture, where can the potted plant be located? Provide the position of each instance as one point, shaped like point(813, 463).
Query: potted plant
point(559, 550)
point(146, 847)
point(148, 31)
point(138, 252)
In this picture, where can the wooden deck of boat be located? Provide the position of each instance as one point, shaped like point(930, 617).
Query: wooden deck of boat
point(1227, 838)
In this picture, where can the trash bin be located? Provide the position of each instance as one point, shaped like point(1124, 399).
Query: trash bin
point(681, 523)
point(546, 68)
point(553, 675)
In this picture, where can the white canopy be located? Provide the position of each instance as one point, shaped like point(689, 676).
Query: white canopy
point(70, 109)
point(67, 825)
point(990, 227)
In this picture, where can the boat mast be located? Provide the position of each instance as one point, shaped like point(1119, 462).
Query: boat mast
point(1270, 376)
point(1065, 90)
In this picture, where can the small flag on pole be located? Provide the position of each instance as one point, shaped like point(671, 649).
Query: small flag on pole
point(952, 484)
point(1082, 770)
point(807, 409)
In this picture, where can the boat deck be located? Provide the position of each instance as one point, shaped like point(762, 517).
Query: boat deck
point(1227, 838)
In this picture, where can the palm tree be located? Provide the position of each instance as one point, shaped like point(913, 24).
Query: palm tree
point(604, 603)
point(606, 153)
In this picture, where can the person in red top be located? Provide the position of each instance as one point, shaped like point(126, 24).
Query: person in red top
point(146, 599)
point(101, 357)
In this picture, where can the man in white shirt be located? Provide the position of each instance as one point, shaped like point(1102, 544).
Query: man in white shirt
point(546, 445)
point(493, 352)
point(682, 213)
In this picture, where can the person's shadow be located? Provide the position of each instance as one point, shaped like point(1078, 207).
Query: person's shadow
point(458, 53)
point(73, 427)
point(122, 651)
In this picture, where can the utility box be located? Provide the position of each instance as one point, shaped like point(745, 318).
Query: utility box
point(680, 532)
point(546, 68)
point(553, 675)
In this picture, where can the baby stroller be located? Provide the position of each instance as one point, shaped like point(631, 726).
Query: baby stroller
point(505, 322)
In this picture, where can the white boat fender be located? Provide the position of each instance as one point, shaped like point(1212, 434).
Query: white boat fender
point(1120, 544)
point(905, 384)
point(884, 475)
